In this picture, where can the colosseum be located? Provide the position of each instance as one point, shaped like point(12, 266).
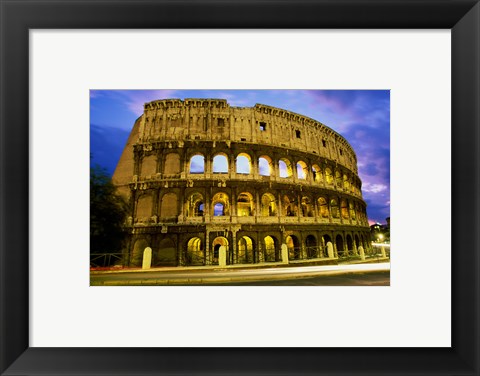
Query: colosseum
point(201, 174)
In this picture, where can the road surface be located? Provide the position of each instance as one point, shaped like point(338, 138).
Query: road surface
point(377, 274)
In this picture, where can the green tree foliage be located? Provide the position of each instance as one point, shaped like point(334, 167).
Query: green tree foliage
point(108, 211)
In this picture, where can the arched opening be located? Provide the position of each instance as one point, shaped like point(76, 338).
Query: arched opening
point(245, 251)
point(285, 168)
point(245, 204)
point(302, 170)
point(195, 254)
point(311, 246)
point(350, 249)
point(289, 206)
point(346, 183)
point(268, 205)
point(316, 173)
point(293, 246)
point(220, 205)
point(357, 241)
point(338, 179)
point(344, 208)
point(166, 254)
point(220, 164)
point(334, 208)
point(325, 240)
point(136, 257)
point(216, 244)
point(271, 251)
point(307, 209)
point(195, 205)
point(328, 176)
point(197, 164)
point(265, 166)
point(339, 244)
point(352, 211)
point(244, 163)
point(322, 207)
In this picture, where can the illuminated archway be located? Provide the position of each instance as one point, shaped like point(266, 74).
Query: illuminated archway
point(265, 166)
point(271, 252)
point(329, 176)
point(197, 164)
point(344, 209)
point(220, 164)
point(268, 205)
point(195, 254)
point(216, 244)
point(307, 209)
point(285, 168)
point(245, 204)
point(302, 170)
point(245, 251)
point(338, 179)
point(322, 207)
point(334, 208)
point(244, 163)
point(289, 206)
point(220, 204)
point(195, 205)
point(293, 246)
point(317, 173)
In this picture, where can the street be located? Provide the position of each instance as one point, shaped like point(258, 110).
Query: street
point(376, 274)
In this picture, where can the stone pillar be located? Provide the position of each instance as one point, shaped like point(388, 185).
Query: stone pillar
point(280, 206)
point(261, 256)
point(384, 254)
point(234, 246)
point(330, 251)
point(362, 252)
point(208, 171)
point(208, 258)
point(147, 258)
point(222, 256)
point(284, 254)
point(254, 168)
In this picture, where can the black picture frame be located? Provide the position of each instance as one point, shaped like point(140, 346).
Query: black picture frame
point(18, 17)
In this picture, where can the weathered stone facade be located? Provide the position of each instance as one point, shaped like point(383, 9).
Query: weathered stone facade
point(201, 174)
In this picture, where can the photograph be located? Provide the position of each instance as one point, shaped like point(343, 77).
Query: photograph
point(240, 187)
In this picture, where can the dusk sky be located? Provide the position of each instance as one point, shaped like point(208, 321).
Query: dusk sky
point(361, 116)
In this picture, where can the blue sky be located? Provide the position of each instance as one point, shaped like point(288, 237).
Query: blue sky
point(361, 116)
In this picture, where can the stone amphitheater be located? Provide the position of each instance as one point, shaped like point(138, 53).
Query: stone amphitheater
point(206, 178)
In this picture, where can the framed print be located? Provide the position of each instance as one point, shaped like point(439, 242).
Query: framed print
point(53, 55)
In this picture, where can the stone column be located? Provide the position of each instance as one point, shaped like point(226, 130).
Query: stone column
point(254, 168)
point(208, 166)
point(280, 205)
point(234, 246)
point(208, 258)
